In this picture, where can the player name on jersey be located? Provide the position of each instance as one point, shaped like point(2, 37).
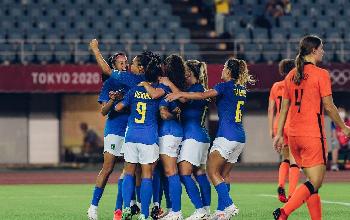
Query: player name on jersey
point(141, 95)
point(240, 92)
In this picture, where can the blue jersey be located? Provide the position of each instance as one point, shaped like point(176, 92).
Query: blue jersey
point(125, 79)
point(172, 126)
point(143, 119)
point(120, 81)
point(230, 104)
point(193, 117)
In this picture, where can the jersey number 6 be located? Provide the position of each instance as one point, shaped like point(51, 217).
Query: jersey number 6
point(238, 117)
point(141, 108)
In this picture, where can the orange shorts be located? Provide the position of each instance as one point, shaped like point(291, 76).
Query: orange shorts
point(308, 151)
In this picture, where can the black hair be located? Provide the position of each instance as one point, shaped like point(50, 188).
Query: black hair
point(113, 58)
point(153, 68)
point(306, 46)
point(175, 70)
point(145, 58)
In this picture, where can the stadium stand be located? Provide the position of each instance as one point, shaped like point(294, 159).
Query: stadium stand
point(60, 30)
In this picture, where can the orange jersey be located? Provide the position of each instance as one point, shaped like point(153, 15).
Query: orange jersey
point(306, 109)
point(276, 94)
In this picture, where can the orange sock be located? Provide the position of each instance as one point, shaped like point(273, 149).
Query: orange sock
point(314, 206)
point(294, 173)
point(283, 172)
point(301, 194)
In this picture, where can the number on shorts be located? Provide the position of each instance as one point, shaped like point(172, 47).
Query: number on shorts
point(238, 117)
point(141, 109)
point(298, 93)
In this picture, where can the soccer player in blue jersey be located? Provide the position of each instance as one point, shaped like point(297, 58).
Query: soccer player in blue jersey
point(229, 142)
point(115, 123)
point(141, 137)
point(195, 144)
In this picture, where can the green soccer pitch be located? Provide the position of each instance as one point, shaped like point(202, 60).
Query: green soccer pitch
point(63, 202)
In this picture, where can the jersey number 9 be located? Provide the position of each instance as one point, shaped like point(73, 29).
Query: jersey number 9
point(238, 117)
point(141, 108)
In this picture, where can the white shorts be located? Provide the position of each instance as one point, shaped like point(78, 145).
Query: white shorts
point(113, 144)
point(194, 152)
point(140, 153)
point(169, 145)
point(230, 150)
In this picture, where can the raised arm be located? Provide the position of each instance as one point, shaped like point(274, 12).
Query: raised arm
point(99, 58)
point(270, 116)
point(333, 113)
point(192, 95)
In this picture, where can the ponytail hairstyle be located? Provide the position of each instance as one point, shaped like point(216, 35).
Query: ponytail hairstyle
point(239, 71)
point(285, 66)
point(199, 70)
point(153, 69)
point(174, 69)
point(306, 46)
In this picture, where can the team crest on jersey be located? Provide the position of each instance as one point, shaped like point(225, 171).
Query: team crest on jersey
point(112, 146)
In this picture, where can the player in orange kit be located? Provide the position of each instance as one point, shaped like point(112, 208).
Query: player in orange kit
point(288, 165)
point(307, 94)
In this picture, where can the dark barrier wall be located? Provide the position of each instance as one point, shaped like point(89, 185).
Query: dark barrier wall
point(86, 78)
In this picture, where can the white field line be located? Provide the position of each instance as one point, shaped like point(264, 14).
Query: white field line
point(323, 201)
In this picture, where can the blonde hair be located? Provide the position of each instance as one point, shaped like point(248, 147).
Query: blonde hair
point(200, 71)
point(239, 71)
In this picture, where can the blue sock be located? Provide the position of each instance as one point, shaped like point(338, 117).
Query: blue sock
point(192, 191)
point(228, 187)
point(119, 202)
point(224, 199)
point(156, 185)
point(146, 196)
point(175, 191)
point(128, 188)
point(205, 188)
point(165, 186)
point(138, 189)
point(133, 195)
point(97, 196)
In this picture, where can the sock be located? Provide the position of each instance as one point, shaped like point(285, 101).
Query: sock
point(165, 186)
point(156, 185)
point(228, 187)
point(192, 191)
point(294, 173)
point(224, 199)
point(205, 188)
point(97, 196)
point(119, 201)
point(175, 191)
point(282, 173)
point(301, 194)
point(133, 195)
point(314, 206)
point(146, 195)
point(138, 191)
point(128, 188)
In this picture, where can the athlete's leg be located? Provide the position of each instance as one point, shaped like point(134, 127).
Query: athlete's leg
point(294, 173)
point(204, 186)
point(226, 174)
point(146, 188)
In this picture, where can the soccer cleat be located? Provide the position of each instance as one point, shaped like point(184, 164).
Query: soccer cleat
point(173, 216)
point(117, 215)
point(92, 213)
point(282, 194)
point(199, 214)
point(218, 215)
point(279, 214)
point(230, 211)
point(165, 213)
point(156, 212)
point(126, 214)
point(135, 209)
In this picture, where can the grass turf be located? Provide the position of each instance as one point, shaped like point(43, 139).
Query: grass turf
point(63, 202)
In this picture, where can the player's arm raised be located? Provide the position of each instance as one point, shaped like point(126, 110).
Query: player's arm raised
point(99, 58)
